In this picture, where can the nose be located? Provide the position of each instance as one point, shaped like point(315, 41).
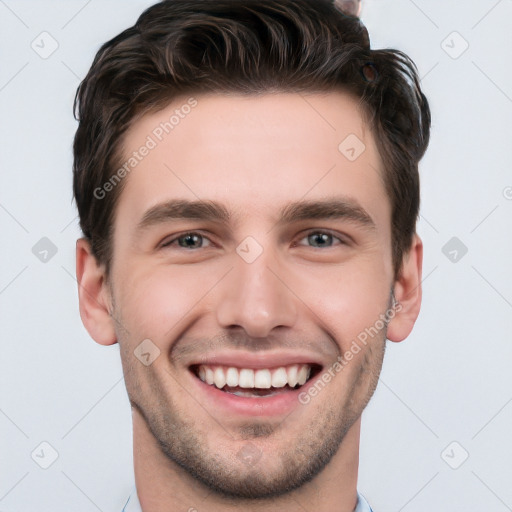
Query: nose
point(256, 297)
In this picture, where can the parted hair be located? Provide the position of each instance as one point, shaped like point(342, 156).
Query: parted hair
point(179, 47)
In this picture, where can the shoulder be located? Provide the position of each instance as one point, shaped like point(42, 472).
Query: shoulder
point(362, 504)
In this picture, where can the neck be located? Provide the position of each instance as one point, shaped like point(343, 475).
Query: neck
point(163, 486)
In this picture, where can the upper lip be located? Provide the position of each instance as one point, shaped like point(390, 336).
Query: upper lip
point(254, 360)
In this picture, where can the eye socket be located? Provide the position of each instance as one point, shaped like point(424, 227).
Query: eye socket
point(326, 237)
point(184, 240)
point(193, 240)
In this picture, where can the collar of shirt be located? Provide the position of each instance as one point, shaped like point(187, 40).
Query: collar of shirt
point(133, 505)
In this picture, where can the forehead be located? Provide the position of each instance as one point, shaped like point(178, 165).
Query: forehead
point(253, 153)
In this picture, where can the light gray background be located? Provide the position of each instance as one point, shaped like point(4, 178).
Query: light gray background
point(450, 381)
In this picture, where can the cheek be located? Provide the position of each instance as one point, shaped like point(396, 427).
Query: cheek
point(151, 303)
point(348, 299)
point(157, 301)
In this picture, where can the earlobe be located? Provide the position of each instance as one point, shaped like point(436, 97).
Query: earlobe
point(93, 295)
point(407, 291)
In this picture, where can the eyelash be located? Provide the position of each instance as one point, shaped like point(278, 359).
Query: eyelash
point(323, 232)
point(306, 235)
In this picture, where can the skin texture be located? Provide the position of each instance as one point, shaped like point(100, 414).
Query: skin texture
point(351, 7)
point(312, 294)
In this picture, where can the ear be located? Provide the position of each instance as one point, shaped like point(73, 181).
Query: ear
point(407, 290)
point(94, 295)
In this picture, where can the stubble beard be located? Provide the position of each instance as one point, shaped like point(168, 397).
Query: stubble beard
point(295, 463)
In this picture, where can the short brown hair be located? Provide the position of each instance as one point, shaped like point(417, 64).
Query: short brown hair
point(181, 47)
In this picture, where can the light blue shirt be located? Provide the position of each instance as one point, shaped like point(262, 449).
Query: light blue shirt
point(133, 505)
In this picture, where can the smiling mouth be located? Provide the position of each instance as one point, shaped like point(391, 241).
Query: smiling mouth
point(249, 382)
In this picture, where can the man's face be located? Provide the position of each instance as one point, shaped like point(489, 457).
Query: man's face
point(270, 284)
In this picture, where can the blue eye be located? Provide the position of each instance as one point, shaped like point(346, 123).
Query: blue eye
point(194, 241)
point(187, 241)
point(319, 239)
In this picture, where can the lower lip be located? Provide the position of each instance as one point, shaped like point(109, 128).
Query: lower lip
point(280, 404)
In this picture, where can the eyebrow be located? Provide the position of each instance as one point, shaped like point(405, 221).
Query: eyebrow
point(184, 209)
point(334, 208)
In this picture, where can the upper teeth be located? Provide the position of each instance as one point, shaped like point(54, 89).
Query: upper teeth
point(249, 378)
